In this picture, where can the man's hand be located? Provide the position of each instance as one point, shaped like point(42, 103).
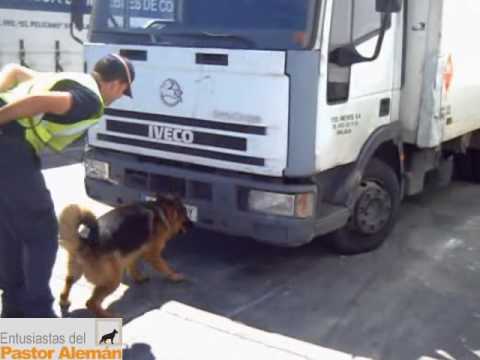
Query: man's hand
point(13, 74)
point(54, 102)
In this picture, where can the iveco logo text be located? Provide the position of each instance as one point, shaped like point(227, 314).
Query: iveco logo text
point(170, 134)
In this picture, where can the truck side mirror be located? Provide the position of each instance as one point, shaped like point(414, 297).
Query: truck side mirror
point(345, 56)
point(348, 55)
point(77, 9)
point(388, 6)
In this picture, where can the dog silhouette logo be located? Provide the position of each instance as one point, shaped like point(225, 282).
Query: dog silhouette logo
point(110, 336)
point(109, 332)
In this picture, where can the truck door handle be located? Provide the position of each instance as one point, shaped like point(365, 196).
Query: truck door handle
point(384, 107)
point(419, 27)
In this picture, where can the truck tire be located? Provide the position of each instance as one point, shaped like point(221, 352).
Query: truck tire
point(374, 212)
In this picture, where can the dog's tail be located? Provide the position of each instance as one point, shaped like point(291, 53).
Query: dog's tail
point(70, 220)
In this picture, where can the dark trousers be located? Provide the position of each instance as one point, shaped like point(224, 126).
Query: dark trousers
point(28, 232)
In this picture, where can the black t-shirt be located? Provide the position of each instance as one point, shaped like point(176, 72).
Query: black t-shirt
point(85, 103)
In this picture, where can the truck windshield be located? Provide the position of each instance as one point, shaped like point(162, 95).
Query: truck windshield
point(258, 24)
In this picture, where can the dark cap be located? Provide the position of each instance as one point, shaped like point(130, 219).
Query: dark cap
point(115, 67)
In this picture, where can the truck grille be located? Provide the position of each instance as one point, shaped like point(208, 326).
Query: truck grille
point(184, 136)
point(248, 160)
point(156, 183)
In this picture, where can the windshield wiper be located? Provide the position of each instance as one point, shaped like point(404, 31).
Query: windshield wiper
point(210, 36)
point(154, 22)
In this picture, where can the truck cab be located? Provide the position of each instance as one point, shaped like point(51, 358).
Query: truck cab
point(279, 120)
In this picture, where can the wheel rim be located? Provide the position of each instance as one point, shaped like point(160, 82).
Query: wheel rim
point(373, 209)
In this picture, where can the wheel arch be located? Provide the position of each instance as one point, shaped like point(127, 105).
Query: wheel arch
point(384, 144)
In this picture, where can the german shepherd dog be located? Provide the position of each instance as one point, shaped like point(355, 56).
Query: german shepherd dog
point(102, 249)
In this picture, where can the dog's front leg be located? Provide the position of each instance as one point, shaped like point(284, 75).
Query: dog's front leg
point(162, 266)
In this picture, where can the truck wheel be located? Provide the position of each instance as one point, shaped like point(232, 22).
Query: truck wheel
point(374, 213)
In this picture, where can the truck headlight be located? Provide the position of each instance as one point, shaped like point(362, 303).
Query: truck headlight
point(297, 205)
point(97, 169)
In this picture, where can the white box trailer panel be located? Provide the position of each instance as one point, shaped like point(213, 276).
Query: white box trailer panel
point(442, 78)
point(44, 29)
point(460, 61)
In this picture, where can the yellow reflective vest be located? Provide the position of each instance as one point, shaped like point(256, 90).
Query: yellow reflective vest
point(41, 132)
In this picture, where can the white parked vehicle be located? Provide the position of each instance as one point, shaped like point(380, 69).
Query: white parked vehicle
point(36, 33)
point(284, 120)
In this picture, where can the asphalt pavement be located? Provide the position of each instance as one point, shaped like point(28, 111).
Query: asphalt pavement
point(417, 297)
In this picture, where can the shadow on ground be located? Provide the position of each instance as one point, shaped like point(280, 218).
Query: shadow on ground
point(138, 351)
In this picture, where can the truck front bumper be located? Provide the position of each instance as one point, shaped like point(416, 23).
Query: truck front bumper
point(218, 197)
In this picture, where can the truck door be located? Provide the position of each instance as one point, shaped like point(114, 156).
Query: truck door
point(357, 99)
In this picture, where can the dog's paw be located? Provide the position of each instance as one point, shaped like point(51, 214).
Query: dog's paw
point(64, 303)
point(176, 277)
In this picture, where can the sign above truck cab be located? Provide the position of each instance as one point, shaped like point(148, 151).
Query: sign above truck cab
point(266, 24)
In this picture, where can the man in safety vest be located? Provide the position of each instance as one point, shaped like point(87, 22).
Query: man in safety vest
point(38, 111)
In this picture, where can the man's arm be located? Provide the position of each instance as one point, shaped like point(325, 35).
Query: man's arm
point(55, 102)
point(13, 74)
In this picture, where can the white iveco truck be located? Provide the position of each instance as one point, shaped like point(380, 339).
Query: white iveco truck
point(36, 33)
point(284, 120)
